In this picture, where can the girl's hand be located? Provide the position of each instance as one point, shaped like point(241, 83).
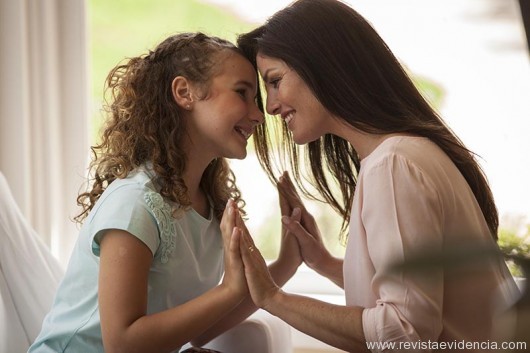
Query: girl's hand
point(234, 276)
point(303, 226)
point(259, 280)
point(228, 222)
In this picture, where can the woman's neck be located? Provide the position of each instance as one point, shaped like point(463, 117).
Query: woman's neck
point(365, 143)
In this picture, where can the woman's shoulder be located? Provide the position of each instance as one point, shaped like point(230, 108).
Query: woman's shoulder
point(410, 150)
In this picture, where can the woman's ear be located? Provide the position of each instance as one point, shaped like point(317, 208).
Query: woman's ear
point(182, 92)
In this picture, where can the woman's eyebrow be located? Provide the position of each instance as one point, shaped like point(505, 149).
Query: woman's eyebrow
point(265, 75)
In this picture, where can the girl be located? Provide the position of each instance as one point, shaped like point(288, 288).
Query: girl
point(408, 186)
point(144, 275)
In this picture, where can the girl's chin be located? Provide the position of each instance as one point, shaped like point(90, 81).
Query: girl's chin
point(239, 155)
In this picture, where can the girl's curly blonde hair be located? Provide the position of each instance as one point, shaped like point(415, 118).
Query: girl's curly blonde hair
point(145, 125)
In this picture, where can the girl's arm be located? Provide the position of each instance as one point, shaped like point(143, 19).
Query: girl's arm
point(123, 279)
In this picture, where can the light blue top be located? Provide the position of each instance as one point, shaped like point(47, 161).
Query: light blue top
point(188, 261)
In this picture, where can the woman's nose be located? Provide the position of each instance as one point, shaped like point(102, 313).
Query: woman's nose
point(272, 106)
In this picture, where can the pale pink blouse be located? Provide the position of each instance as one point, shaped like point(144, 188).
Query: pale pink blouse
point(411, 199)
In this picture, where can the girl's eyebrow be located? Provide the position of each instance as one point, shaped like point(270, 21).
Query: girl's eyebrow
point(248, 84)
point(245, 83)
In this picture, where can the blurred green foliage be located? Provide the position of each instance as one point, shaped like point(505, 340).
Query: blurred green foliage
point(513, 242)
point(432, 91)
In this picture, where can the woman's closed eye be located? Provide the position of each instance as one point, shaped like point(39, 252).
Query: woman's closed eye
point(275, 82)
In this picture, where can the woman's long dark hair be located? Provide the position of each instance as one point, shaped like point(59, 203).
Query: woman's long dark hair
point(356, 77)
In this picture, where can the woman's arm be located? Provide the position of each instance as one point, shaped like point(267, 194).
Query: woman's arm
point(246, 308)
point(339, 326)
point(126, 327)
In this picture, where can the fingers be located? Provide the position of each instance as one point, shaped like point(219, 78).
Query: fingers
point(234, 253)
point(240, 223)
point(296, 215)
point(249, 252)
point(293, 225)
point(232, 225)
point(288, 180)
point(285, 207)
point(228, 220)
point(234, 244)
point(287, 189)
point(246, 243)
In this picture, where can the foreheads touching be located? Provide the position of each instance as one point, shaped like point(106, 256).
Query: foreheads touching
point(337, 53)
point(139, 92)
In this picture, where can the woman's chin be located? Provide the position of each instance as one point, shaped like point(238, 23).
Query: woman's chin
point(303, 139)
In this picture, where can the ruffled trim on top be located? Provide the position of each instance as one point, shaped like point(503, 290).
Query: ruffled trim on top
point(164, 218)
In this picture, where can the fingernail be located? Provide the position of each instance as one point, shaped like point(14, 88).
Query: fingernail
point(286, 220)
point(296, 212)
point(230, 210)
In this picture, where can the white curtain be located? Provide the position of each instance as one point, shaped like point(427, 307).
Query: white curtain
point(44, 112)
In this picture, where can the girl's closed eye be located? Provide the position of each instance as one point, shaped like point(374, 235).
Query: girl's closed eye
point(242, 92)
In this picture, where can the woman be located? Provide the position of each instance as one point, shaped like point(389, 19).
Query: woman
point(407, 185)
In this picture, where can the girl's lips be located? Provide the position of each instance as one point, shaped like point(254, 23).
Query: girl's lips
point(246, 134)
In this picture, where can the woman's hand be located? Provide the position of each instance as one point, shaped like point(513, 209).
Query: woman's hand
point(290, 255)
point(302, 226)
point(234, 276)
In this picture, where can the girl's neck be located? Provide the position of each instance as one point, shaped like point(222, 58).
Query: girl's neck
point(192, 178)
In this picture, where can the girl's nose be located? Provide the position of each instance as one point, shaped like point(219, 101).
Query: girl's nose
point(256, 115)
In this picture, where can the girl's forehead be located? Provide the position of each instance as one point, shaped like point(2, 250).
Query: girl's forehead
point(236, 67)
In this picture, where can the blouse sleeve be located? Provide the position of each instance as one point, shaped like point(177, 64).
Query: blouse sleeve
point(125, 208)
point(402, 216)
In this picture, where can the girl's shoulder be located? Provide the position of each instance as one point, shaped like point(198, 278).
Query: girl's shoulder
point(134, 205)
point(135, 189)
point(137, 183)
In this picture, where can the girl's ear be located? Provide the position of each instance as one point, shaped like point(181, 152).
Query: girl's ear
point(182, 92)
